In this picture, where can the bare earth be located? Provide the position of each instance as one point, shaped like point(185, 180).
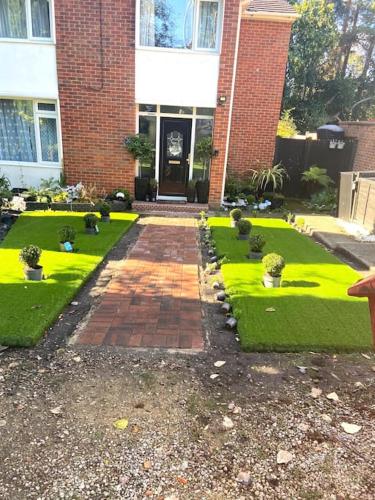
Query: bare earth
point(58, 439)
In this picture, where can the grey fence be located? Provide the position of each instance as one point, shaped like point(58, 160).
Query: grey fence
point(357, 198)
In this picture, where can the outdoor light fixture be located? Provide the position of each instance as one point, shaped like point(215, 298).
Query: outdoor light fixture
point(215, 152)
point(221, 100)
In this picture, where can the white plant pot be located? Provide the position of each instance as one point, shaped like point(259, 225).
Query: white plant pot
point(271, 281)
point(32, 274)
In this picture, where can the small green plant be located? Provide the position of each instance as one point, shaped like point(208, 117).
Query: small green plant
point(290, 218)
point(203, 215)
point(236, 214)
point(300, 222)
point(67, 233)
point(244, 226)
point(317, 177)
point(90, 220)
point(273, 264)
point(30, 256)
point(104, 209)
point(323, 201)
point(250, 199)
point(257, 242)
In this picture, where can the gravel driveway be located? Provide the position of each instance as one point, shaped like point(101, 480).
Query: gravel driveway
point(188, 436)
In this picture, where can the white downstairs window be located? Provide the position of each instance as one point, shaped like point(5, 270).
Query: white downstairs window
point(180, 24)
point(28, 131)
point(25, 19)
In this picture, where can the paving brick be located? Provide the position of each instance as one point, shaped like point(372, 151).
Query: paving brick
point(154, 299)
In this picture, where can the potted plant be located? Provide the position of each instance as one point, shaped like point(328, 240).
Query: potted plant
point(30, 256)
point(67, 235)
point(273, 265)
point(153, 187)
point(190, 191)
point(235, 217)
point(105, 210)
point(244, 227)
point(256, 243)
point(91, 222)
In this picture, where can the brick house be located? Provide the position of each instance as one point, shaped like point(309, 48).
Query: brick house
point(76, 78)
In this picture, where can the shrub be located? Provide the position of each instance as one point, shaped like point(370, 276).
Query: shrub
point(257, 242)
point(244, 226)
point(90, 220)
point(276, 199)
point(67, 233)
point(30, 256)
point(290, 218)
point(250, 199)
point(286, 126)
point(236, 214)
point(153, 183)
point(104, 208)
point(272, 177)
point(273, 264)
point(139, 147)
point(324, 201)
point(317, 176)
point(300, 222)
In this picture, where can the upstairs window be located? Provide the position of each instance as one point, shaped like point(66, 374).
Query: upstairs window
point(179, 24)
point(25, 19)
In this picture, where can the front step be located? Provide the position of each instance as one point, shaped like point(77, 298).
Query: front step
point(164, 207)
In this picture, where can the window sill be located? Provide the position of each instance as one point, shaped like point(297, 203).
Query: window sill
point(179, 51)
point(26, 41)
point(29, 164)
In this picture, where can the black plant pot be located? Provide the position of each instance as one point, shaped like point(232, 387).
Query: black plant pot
point(190, 195)
point(141, 188)
point(202, 191)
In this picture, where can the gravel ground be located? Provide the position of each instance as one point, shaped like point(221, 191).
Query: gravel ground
point(58, 440)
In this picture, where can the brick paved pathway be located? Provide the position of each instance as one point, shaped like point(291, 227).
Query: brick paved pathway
point(154, 300)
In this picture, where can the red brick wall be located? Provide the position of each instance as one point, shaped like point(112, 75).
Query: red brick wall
point(365, 133)
point(224, 89)
point(96, 104)
point(262, 58)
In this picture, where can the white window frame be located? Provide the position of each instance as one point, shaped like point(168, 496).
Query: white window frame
point(38, 145)
point(195, 34)
point(29, 26)
point(193, 117)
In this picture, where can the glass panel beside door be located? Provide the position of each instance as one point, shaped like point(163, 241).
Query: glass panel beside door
point(175, 141)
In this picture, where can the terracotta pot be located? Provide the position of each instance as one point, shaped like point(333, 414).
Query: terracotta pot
point(271, 281)
point(32, 274)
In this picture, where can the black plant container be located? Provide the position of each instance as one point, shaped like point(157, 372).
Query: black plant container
point(141, 188)
point(202, 191)
point(190, 194)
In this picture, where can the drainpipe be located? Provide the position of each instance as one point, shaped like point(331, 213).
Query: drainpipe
point(243, 4)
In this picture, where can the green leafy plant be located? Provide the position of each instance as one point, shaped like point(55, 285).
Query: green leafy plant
point(277, 199)
point(273, 264)
point(203, 153)
point(104, 208)
point(317, 177)
point(67, 233)
point(300, 222)
point(61, 197)
point(139, 147)
point(286, 126)
point(257, 242)
point(90, 220)
point(244, 226)
point(236, 214)
point(272, 177)
point(323, 201)
point(290, 218)
point(30, 256)
point(250, 199)
point(153, 183)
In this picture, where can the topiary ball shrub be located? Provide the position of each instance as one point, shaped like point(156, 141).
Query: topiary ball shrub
point(256, 243)
point(273, 264)
point(236, 214)
point(67, 233)
point(90, 220)
point(104, 209)
point(30, 256)
point(244, 228)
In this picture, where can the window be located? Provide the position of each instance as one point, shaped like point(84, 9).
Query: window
point(202, 148)
point(179, 24)
point(25, 19)
point(147, 127)
point(176, 110)
point(28, 131)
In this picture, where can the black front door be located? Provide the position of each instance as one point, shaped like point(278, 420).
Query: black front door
point(175, 139)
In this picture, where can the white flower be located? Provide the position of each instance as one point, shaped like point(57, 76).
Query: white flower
point(120, 195)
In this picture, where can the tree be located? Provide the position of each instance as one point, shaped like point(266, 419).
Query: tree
point(331, 67)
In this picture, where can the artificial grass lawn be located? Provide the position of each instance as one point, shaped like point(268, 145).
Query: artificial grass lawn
point(27, 308)
point(313, 310)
